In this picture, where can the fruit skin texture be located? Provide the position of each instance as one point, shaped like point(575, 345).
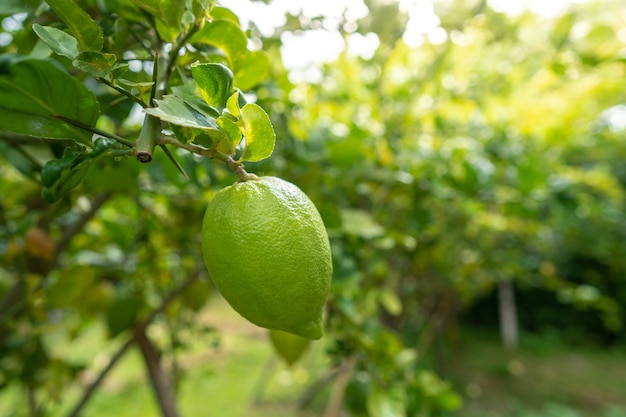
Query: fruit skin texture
point(267, 251)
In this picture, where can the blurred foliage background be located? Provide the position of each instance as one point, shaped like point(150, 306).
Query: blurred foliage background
point(472, 178)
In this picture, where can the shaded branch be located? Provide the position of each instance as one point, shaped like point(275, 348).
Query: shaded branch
point(93, 387)
point(163, 390)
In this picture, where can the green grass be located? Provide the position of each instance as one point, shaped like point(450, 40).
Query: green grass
point(236, 374)
point(547, 380)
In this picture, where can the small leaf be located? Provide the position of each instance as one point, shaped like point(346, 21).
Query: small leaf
point(232, 105)
point(59, 176)
point(232, 132)
point(390, 301)
point(60, 42)
point(95, 63)
point(87, 32)
point(360, 223)
point(121, 314)
point(259, 133)
point(214, 81)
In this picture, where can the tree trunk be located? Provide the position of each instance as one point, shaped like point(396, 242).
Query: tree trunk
point(508, 315)
point(163, 389)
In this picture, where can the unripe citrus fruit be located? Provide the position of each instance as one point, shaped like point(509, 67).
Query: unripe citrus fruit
point(267, 251)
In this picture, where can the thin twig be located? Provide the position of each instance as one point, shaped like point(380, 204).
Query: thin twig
point(97, 131)
point(211, 153)
point(122, 91)
point(91, 389)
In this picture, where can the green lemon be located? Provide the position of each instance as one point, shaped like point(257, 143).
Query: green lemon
point(288, 346)
point(267, 251)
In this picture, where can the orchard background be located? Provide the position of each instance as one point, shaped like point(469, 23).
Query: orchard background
point(468, 159)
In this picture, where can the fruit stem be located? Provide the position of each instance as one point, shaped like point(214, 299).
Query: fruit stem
point(211, 153)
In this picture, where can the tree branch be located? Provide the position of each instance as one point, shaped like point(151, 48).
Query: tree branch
point(161, 384)
point(92, 388)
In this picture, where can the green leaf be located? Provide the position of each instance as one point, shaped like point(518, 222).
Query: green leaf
point(189, 93)
point(232, 105)
point(232, 132)
point(10, 7)
point(60, 42)
point(59, 176)
point(34, 93)
point(223, 13)
point(259, 133)
point(121, 314)
point(288, 346)
point(360, 223)
point(390, 301)
point(97, 64)
point(175, 110)
point(87, 32)
point(386, 402)
point(214, 81)
point(252, 68)
point(200, 8)
point(225, 35)
point(169, 15)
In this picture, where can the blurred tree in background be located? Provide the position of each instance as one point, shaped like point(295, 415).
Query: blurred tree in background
point(469, 174)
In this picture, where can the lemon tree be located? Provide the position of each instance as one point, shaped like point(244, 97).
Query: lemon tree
point(108, 108)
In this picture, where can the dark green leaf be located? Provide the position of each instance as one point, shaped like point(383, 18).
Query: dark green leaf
point(214, 81)
point(60, 42)
point(86, 31)
point(61, 175)
point(121, 314)
point(34, 93)
point(97, 64)
point(259, 133)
